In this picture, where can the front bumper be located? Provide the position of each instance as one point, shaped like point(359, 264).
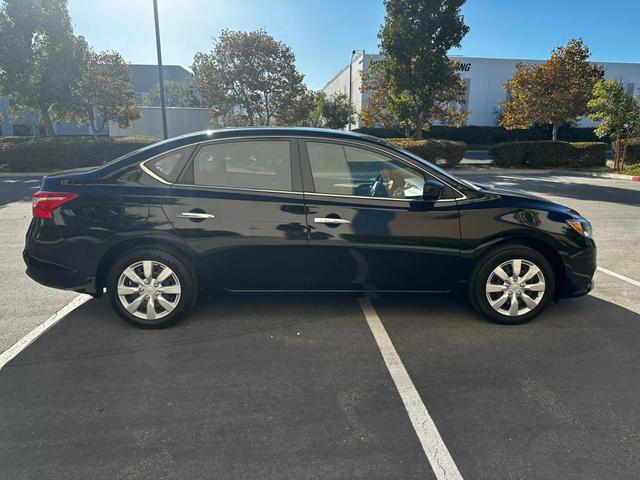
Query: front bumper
point(579, 270)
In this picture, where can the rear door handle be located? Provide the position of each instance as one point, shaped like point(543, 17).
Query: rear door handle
point(330, 220)
point(196, 215)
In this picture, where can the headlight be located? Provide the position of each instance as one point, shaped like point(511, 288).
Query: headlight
point(581, 226)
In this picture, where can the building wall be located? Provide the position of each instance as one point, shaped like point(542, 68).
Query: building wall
point(144, 77)
point(340, 83)
point(179, 122)
point(484, 78)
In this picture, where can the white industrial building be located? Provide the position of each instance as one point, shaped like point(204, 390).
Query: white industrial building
point(484, 78)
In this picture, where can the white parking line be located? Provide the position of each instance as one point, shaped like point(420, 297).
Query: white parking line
point(437, 453)
point(621, 277)
point(24, 342)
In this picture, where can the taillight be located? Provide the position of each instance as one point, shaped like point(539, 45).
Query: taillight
point(44, 203)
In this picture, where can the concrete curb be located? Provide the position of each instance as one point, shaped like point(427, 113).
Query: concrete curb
point(514, 171)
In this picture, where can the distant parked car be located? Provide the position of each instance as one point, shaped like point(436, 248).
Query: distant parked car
point(269, 210)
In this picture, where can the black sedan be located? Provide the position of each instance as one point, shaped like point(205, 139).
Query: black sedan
point(269, 210)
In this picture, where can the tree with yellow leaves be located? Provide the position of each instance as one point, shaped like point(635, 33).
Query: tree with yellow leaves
point(553, 93)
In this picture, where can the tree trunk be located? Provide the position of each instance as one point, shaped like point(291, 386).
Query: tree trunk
point(616, 153)
point(554, 133)
point(92, 120)
point(46, 120)
point(418, 124)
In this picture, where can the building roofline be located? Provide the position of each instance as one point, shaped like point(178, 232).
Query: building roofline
point(360, 54)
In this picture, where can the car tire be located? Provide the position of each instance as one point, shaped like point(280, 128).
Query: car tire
point(151, 288)
point(512, 284)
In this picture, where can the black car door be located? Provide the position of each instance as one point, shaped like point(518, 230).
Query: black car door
point(240, 207)
point(369, 228)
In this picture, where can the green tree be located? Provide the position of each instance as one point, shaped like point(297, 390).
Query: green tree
point(553, 93)
point(299, 111)
point(331, 111)
point(105, 92)
point(423, 85)
point(177, 94)
point(41, 61)
point(249, 78)
point(618, 114)
point(379, 110)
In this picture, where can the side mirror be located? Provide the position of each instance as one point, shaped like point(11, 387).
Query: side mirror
point(432, 190)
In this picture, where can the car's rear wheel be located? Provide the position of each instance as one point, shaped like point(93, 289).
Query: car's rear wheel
point(151, 288)
point(512, 284)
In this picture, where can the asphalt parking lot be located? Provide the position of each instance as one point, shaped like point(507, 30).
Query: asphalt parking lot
point(295, 386)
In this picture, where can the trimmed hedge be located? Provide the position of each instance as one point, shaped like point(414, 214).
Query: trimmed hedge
point(43, 154)
point(548, 154)
point(492, 135)
point(433, 150)
point(475, 135)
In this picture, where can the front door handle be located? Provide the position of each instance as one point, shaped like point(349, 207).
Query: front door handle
point(196, 215)
point(330, 220)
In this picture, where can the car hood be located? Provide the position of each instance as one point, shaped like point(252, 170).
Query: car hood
point(513, 192)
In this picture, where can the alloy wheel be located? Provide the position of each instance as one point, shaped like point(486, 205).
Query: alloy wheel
point(515, 287)
point(149, 290)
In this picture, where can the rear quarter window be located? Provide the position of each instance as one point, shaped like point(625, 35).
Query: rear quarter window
point(168, 166)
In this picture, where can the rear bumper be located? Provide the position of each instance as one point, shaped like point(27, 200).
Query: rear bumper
point(579, 270)
point(58, 276)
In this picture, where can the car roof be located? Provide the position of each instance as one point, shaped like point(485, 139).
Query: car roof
point(270, 131)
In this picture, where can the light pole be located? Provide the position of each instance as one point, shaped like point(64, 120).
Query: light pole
point(163, 104)
point(353, 52)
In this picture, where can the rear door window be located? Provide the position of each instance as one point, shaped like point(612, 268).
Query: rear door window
point(251, 164)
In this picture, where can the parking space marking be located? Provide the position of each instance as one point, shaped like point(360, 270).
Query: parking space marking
point(434, 447)
point(621, 277)
point(29, 338)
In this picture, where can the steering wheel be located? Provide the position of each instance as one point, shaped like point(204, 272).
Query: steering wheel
point(377, 187)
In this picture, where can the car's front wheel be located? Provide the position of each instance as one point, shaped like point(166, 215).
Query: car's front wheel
point(512, 284)
point(151, 288)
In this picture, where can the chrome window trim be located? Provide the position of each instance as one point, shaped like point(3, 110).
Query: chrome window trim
point(385, 198)
point(242, 189)
point(148, 171)
point(384, 151)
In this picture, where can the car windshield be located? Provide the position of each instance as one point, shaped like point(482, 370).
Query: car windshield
point(430, 165)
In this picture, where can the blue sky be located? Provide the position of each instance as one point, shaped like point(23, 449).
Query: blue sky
point(322, 33)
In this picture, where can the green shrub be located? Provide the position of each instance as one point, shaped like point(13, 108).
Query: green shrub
point(548, 154)
point(490, 135)
point(433, 150)
point(43, 154)
point(476, 135)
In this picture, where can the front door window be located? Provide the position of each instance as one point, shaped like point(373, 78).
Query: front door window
point(344, 170)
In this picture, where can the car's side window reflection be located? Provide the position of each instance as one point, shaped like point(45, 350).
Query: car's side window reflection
point(257, 164)
point(344, 170)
